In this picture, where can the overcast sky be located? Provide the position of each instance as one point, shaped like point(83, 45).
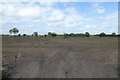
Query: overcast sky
point(59, 17)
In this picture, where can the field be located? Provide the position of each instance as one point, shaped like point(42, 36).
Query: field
point(59, 57)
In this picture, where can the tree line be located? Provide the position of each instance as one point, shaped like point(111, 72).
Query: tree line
point(15, 31)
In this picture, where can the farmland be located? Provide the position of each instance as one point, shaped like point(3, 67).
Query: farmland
point(59, 57)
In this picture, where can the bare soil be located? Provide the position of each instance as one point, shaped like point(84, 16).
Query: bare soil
point(58, 57)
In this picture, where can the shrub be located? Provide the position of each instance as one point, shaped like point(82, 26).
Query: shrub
point(19, 35)
point(87, 34)
point(113, 34)
point(102, 34)
point(24, 34)
point(45, 35)
point(35, 34)
point(53, 34)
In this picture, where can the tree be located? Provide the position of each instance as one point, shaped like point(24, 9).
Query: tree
point(14, 31)
point(81, 35)
point(71, 34)
point(87, 34)
point(24, 34)
point(102, 34)
point(35, 33)
point(65, 34)
point(113, 34)
point(10, 31)
point(19, 35)
point(45, 35)
point(53, 34)
point(40, 35)
point(49, 33)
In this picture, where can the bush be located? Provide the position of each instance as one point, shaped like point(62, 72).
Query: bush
point(65, 34)
point(45, 35)
point(87, 34)
point(24, 34)
point(19, 35)
point(35, 34)
point(4, 74)
point(53, 34)
point(113, 34)
point(102, 34)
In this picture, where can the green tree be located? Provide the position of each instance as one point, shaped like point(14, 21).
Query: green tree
point(24, 35)
point(19, 35)
point(14, 31)
point(35, 33)
point(87, 34)
point(45, 35)
point(65, 34)
point(10, 31)
point(102, 34)
point(53, 34)
point(113, 34)
point(71, 34)
point(49, 33)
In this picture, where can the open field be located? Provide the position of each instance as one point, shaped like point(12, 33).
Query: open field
point(58, 57)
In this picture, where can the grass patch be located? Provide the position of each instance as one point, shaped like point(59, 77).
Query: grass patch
point(3, 74)
point(0, 74)
point(118, 72)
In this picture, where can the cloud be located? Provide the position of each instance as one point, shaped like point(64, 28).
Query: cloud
point(30, 12)
point(43, 17)
point(108, 24)
point(59, 0)
point(61, 18)
point(56, 15)
point(91, 26)
point(98, 8)
point(13, 13)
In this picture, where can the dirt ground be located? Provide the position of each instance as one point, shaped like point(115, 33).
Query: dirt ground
point(58, 57)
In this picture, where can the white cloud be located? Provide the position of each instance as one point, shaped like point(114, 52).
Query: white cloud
point(30, 12)
point(56, 15)
point(49, 18)
point(60, 0)
point(13, 13)
point(69, 18)
point(98, 8)
point(72, 20)
point(107, 24)
point(9, 9)
point(91, 26)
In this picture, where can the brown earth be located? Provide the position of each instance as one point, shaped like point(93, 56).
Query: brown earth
point(58, 57)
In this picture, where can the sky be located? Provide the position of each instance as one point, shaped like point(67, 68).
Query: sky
point(59, 17)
